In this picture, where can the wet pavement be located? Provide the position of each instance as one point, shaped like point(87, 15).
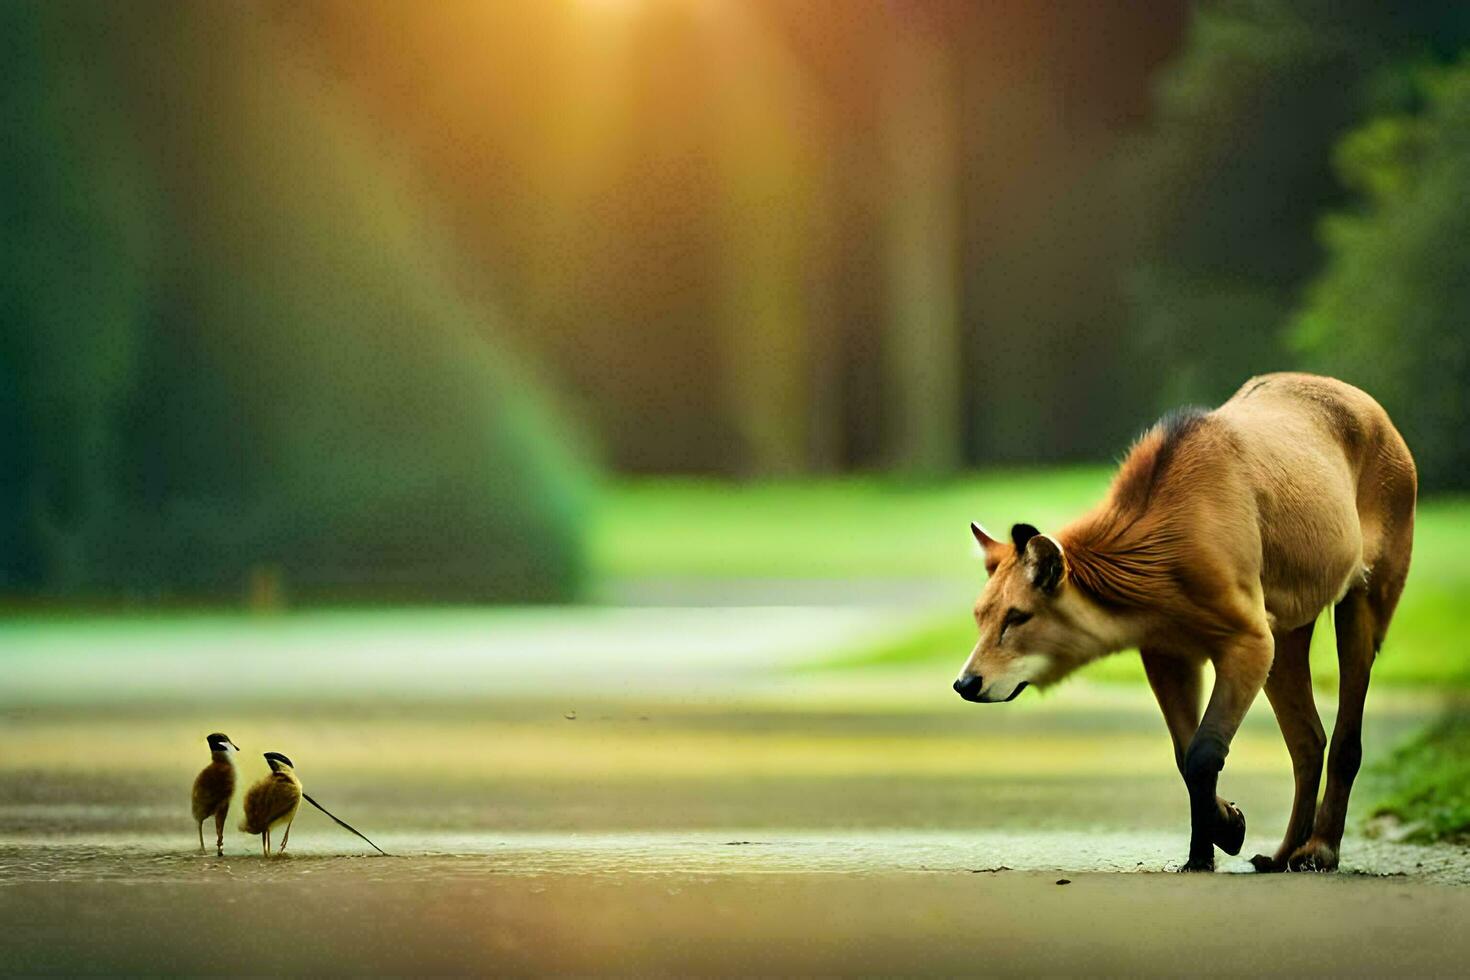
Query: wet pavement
point(422, 857)
point(726, 818)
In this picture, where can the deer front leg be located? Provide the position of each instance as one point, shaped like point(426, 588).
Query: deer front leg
point(1241, 667)
point(1177, 680)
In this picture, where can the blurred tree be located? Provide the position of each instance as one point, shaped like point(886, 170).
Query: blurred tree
point(759, 238)
point(763, 237)
point(749, 238)
point(922, 342)
point(768, 218)
point(236, 341)
point(74, 240)
point(1232, 179)
point(1050, 102)
point(1391, 311)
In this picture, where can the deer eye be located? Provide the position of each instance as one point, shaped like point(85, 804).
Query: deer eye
point(1013, 617)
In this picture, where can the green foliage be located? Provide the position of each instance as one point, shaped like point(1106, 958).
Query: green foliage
point(1426, 783)
point(232, 341)
point(1390, 311)
point(73, 237)
point(1238, 169)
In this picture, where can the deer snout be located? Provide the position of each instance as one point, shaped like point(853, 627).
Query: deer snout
point(968, 687)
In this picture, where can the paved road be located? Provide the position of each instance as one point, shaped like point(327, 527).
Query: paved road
point(703, 814)
point(887, 924)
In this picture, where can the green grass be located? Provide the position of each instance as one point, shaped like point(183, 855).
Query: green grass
point(1426, 783)
point(841, 528)
point(887, 529)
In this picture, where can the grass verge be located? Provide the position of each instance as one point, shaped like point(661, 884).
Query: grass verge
point(1426, 782)
point(854, 527)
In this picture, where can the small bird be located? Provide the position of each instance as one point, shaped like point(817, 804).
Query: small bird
point(213, 788)
point(272, 801)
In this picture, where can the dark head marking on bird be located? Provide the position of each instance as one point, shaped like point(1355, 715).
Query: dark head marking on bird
point(276, 760)
point(220, 742)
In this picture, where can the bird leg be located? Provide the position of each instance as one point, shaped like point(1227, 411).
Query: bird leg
point(201, 837)
point(219, 831)
point(286, 836)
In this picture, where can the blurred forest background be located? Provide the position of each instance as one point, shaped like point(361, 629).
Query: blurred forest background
point(373, 297)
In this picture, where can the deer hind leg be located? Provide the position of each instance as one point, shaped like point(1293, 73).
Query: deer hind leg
point(1289, 689)
point(1362, 619)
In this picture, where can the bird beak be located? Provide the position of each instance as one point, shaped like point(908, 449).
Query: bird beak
point(234, 746)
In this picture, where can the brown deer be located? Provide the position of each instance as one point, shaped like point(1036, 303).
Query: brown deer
point(1222, 538)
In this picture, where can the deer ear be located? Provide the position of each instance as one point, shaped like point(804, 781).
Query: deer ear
point(994, 550)
point(1044, 562)
point(982, 536)
point(1022, 533)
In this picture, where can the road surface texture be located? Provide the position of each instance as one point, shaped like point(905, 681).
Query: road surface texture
point(632, 811)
